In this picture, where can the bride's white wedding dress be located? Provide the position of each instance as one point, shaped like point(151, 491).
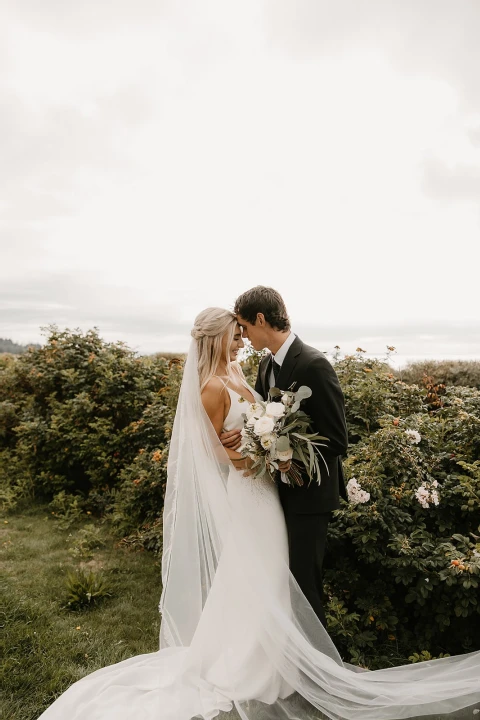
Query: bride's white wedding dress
point(236, 630)
point(236, 649)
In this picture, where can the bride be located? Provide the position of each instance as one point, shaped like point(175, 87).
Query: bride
point(237, 634)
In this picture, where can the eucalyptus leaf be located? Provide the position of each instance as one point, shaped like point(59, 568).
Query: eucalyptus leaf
point(323, 460)
point(290, 426)
point(295, 406)
point(302, 456)
point(298, 435)
point(261, 471)
point(283, 444)
point(312, 460)
point(303, 393)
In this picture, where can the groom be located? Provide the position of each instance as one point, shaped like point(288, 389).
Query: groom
point(263, 317)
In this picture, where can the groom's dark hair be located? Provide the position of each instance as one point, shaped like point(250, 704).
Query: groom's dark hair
point(263, 300)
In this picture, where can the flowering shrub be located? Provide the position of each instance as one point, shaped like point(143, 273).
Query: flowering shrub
point(75, 412)
point(403, 567)
point(139, 496)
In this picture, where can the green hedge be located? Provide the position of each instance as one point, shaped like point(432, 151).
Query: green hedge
point(403, 577)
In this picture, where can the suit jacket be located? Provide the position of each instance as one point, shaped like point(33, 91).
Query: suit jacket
point(305, 365)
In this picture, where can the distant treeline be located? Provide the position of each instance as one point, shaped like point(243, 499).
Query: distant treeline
point(8, 346)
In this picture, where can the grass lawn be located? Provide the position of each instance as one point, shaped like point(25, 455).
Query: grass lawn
point(47, 645)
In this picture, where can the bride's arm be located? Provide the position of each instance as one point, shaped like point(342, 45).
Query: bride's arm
point(213, 399)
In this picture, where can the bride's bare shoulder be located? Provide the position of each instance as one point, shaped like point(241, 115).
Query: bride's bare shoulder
point(213, 389)
point(214, 401)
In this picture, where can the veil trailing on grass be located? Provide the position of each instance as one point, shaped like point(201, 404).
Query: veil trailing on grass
point(202, 527)
point(237, 634)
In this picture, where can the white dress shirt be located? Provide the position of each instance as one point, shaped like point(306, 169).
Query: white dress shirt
point(281, 355)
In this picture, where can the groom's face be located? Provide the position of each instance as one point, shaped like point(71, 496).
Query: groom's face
point(255, 333)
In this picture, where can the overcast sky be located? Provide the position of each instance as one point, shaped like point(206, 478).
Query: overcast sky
point(160, 157)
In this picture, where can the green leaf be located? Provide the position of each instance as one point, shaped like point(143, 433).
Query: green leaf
point(302, 455)
point(283, 444)
point(303, 393)
point(262, 469)
point(312, 460)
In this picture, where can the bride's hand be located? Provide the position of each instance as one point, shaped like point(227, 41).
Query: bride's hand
point(247, 467)
point(231, 440)
point(244, 464)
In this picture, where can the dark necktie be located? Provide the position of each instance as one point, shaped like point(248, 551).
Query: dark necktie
point(276, 370)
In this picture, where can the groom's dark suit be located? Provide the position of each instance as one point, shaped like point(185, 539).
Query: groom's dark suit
point(308, 508)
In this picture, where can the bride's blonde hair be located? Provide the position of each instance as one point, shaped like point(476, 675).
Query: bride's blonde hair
point(210, 327)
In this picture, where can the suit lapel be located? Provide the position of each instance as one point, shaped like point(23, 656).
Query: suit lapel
point(285, 378)
point(264, 374)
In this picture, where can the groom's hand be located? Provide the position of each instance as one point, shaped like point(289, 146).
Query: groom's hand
point(231, 439)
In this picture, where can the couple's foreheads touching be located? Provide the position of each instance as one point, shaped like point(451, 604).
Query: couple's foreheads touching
point(259, 316)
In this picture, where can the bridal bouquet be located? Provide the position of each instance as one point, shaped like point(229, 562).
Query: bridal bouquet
point(276, 432)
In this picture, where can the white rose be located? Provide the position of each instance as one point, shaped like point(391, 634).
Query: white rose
point(423, 496)
point(284, 455)
point(258, 410)
point(251, 421)
point(267, 441)
point(414, 436)
point(263, 425)
point(355, 493)
point(254, 410)
point(275, 409)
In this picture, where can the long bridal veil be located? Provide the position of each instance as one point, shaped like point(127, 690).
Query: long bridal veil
point(201, 524)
